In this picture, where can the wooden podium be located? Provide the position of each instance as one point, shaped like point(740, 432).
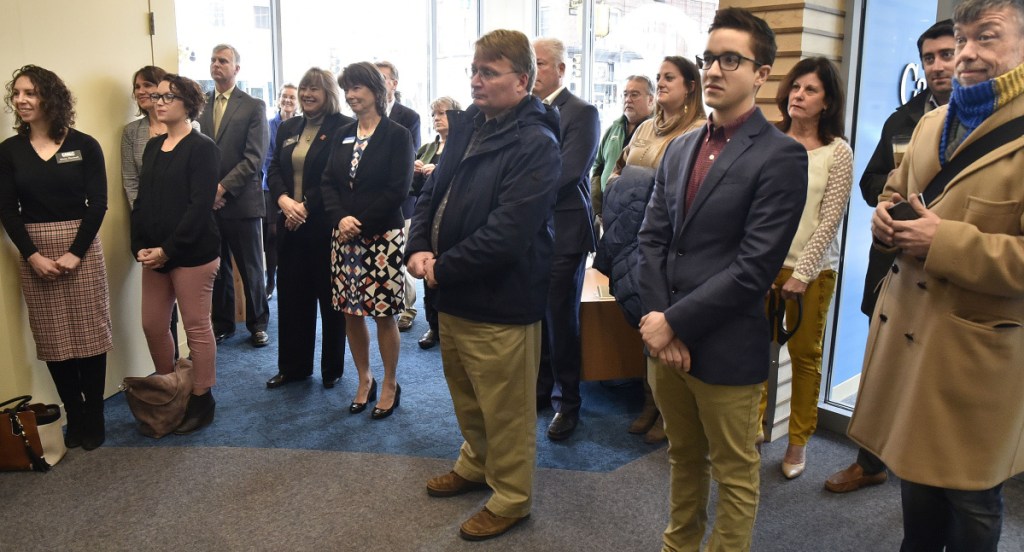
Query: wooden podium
point(610, 348)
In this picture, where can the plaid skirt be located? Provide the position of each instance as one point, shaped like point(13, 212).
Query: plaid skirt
point(367, 274)
point(70, 316)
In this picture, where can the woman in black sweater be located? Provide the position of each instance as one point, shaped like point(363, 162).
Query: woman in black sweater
point(53, 196)
point(175, 237)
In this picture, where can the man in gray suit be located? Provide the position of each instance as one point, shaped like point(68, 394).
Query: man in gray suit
point(237, 122)
point(727, 200)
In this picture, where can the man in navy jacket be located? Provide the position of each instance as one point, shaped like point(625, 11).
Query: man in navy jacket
point(726, 203)
point(481, 236)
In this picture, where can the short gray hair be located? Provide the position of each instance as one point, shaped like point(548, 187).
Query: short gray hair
point(451, 102)
point(553, 45)
point(968, 11)
point(219, 47)
point(642, 79)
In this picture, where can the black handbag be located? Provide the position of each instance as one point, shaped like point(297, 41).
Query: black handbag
point(21, 448)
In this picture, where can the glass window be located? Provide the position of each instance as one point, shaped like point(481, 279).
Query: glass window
point(458, 18)
point(196, 41)
point(332, 35)
point(631, 37)
point(563, 19)
point(261, 15)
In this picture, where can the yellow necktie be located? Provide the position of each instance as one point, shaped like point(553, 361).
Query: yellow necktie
point(218, 112)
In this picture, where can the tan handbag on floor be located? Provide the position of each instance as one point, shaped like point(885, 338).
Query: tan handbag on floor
point(30, 435)
point(158, 401)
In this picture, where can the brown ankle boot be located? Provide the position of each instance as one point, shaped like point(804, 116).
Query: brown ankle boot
point(642, 424)
point(657, 432)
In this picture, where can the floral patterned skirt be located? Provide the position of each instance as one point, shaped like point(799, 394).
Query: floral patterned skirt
point(367, 274)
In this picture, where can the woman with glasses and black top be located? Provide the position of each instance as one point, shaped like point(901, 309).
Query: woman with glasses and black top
point(175, 237)
point(53, 196)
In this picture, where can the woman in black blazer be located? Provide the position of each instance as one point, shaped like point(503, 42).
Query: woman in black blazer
point(175, 237)
point(301, 149)
point(366, 179)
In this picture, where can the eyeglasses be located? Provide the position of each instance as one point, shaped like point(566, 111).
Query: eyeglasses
point(167, 98)
point(729, 61)
point(485, 73)
point(632, 95)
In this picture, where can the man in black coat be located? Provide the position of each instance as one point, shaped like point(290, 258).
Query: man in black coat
point(558, 382)
point(237, 122)
point(411, 121)
point(936, 48)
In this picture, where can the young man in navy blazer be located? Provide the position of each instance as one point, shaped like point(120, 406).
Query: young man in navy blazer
point(727, 200)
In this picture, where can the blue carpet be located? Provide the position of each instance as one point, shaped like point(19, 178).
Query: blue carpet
point(304, 415)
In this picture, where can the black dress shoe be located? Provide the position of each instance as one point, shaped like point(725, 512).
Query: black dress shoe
point(562, 426)
point(429, 340)
point(281, 379)
point(260, 339)
point(357, 407)
point(329, 383)
point(198, 413)
point(380, 413)
point(224, 336)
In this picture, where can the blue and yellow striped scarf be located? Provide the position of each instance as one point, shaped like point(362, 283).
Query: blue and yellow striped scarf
point(971, 105)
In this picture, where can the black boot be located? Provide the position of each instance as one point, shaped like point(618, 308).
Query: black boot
point(92, 372)
point(65, 378)
point(198, 413)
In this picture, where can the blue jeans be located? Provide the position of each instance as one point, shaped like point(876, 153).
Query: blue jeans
point(960, 521)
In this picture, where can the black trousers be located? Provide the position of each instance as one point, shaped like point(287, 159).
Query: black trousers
point(242, 238)
point(303, 283)
point(936, 519)
point(270, 232)
point(428, 306)
point(559, 375)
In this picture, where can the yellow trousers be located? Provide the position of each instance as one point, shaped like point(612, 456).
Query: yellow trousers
point(805, 351)
point(491, 370)
point(711, 430)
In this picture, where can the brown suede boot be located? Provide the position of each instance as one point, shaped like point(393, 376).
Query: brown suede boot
point(642, 424)
point(657, 432)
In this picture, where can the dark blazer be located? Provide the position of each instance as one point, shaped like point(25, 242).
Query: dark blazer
point(410, 120)
point(708, 271)
point(381, 183)
point(174, 208)
point(281, 174)
point(902, 121)
point(494, 241)
point(580, 133)
point(242, 140)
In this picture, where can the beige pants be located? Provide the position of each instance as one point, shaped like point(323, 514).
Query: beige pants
point(711, 431)
point(491, 371)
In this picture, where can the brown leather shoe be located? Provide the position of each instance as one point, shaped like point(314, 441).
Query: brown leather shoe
point(487, 525)
point(853, 478)
point(452, 484)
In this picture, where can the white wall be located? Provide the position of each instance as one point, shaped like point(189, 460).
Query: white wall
point(498, 14)
point(95, 47)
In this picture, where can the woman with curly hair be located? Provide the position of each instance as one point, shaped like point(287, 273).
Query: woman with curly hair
point(175, 237)
point(53, 196)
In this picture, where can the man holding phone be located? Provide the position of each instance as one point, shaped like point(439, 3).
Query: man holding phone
point(936, 48)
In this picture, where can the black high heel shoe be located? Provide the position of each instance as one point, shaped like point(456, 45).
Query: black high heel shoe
point(356, 407)
point(380, 414)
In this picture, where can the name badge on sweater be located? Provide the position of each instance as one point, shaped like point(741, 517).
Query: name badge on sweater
point(69, 156)
point(349, 140)
point(290, 141)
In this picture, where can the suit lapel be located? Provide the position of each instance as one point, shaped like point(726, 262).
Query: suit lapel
point(229, 111)
point(733, 150)
point(676, 195)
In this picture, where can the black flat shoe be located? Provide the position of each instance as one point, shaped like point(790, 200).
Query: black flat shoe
point(380, 414)
point(281, 379)
point(198, 413)
point(223, 336)
point(329, 383)
point(357, 407)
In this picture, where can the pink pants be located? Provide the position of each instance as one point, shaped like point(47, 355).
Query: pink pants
point(193, 288)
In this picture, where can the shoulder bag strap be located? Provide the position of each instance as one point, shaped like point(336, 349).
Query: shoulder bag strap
point(998, 137)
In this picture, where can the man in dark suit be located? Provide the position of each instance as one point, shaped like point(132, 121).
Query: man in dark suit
point(936, 48)
point(727, 201)
point(558, 382)
point(411, 121)
point(237, 122)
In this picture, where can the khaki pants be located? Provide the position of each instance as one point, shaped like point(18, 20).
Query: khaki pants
point(491, 371)
point(711, 431)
